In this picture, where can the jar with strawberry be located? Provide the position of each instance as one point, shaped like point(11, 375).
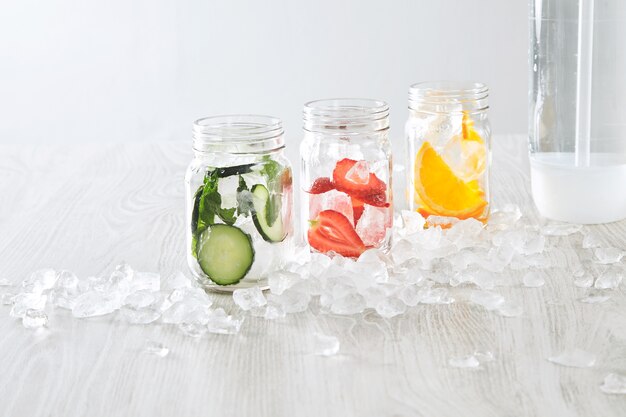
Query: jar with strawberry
point(346, 198)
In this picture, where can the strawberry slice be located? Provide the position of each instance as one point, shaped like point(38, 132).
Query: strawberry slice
point(357, 207)
point(373, 191)
point(321, 185)
point(332, 231)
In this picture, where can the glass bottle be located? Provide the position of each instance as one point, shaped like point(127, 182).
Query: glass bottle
point(239, 201)
point(577, 103)
point(346, 197)
point(448, 150)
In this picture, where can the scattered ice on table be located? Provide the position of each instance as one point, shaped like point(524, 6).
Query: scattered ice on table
point(6, 299)
point(359, 173)
point(249, 298)
point(583, 281)
point(292, 301)
point(325, 345)
point(273, 312)
point(413, 223)
point(178, 280)
point(140, 316)
point(221, 323)
point(468, 361)
point(40, 280)
point(614, 384)
point(591, 240)
point(608, 280)
point(95, 303)
point(533, 279)
point(575, 358)
point(156, 348)
point(348, 304)
point(193, 329)
point(390, 307)
point(27, 301)
point(34, 319)
point(280, 281)
point(140, 299)
point(561, 229)
point(484, 356)
point(608, 255)
point(594, 299)
point(5, 282)
point(147, 281)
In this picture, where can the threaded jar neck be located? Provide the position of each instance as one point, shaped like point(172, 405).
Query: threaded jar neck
point(346, 115)
point(238, 134)
point(448, 96)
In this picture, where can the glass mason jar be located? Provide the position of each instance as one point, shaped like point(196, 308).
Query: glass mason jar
point(239, 201)
point(346, 198)
point(448, 137)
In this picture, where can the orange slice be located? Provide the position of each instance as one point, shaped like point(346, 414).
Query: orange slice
point(441, 190)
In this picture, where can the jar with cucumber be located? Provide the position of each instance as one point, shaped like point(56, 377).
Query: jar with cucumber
point(239, 201)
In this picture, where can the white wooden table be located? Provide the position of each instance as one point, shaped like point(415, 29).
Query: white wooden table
point(86, 208)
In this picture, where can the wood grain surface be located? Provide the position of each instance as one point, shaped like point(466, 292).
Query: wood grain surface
point(87, 208)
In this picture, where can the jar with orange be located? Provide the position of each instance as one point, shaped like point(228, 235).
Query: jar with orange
point(448, 136)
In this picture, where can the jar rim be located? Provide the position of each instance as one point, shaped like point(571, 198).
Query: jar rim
point(346, 114)
point(238, 133)
point(452, 92)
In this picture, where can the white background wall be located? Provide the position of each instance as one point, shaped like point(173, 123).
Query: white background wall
point(121, 70)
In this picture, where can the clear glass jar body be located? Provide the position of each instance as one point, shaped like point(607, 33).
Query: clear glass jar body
point(448, 138)
point(239, 202)
point(346, 174)
point(577, 102)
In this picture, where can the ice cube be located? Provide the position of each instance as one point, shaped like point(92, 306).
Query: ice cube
point(40, 281)
point(591, 240)
point(331, 200)
point(359, 173)
point(468, 361)
point(193, 329)
point(145, 281)
point(273, 312)
point(249, 298)
point(34, 319)
point(608, 255)
point(6, 299)
point(413, 222)
point(484, 356)
point(533, 279)
point(505, 217)
point(280, 281)
point(609, 280)
point(5, 282)
point(140, 316)
point(27, 301)
point(435, 296)
point(575, 358)
point(533, 245)
point(561, 229)
point(178, 280)
point(390, 307)
point(291, 301)
point(410, 295)
point(95, 303)
point(584, 281)
point(221, 323)
point(325, 345)
point(373, 225)
point(614, 384)
point(349, 304)
point(141, 299)
point(156, 348)
point(67, 280)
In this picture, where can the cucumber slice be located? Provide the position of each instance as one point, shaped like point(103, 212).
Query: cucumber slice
point(266, 208)
point(225, 253)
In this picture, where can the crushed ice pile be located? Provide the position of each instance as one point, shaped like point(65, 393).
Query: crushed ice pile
point(464, 261)
point(136, 297)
